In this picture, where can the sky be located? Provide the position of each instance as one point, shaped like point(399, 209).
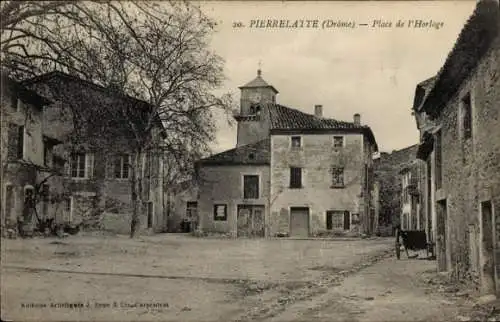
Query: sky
point(371, 70)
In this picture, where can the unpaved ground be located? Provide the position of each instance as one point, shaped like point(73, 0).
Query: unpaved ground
point(199, 279)
point(390, 290)
point(190, 279)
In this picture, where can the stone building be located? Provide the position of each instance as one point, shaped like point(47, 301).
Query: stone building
point(388, 170)
point(291, 173)
point(458, 117)
point(412, 214)
point(97, 145)
point(29, 166)
point(182, 205)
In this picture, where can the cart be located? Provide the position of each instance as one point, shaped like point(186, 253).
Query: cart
point(413, 240)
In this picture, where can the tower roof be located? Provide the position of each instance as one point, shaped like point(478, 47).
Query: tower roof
point(258, 82)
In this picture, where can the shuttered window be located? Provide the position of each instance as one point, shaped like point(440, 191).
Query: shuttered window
point(20, 142)
point(15, 142)
point(295, 177)
point(338, 220)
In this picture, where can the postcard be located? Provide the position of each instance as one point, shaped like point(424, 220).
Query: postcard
point(250, 160)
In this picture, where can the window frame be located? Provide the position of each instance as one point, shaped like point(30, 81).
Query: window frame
point(330, 214)
point(215, 216)
point(343, 141)
point(190, 207)
point(333, 172)
point(466, 116)
point(69, 201)
point(88, 165)
point(14, 101)
point(46, 154)
point(122, 166)
point(243, 176)
point(298, 185)
point(78, 163)
point(299, 137)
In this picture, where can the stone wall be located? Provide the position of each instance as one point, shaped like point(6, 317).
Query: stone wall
point(178, 206)
point(224, 185)
point(387, 168)
point(316, 157)
point(471, 167)
point(70, 97)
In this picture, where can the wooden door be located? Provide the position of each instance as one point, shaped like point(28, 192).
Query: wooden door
point(487, 249)
point(299, 222)
point(441, 235)
point(243, 226)
point(250, 222)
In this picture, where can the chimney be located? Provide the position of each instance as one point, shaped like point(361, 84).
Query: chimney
point(357, 119)
point(318, 110)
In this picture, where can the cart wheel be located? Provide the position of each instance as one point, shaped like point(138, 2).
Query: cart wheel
point(398, 250)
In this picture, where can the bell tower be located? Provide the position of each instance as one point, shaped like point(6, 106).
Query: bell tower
point(253, 116)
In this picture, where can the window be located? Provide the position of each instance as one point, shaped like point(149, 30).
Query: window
point(367, 176)
point(14, 101)
point(296, 141)
point(220, 212)
point(337, 177)
point(15, 137)
point(121, 166)
point(295, 177)
point(77, 165)
point(250, 187)
point(336, 220)
point(192, 209)
point(150, 208)
point(338, 141)
point(46, 154)
point(255, 109)
point(46, 199)
point(20, 142)
point(438, 156)
point(68, 207)
point(81, 165)
point(467, 116)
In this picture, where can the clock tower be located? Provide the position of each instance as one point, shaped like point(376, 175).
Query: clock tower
point(253, 116)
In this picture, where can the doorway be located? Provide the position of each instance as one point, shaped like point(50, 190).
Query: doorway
point(487, 269)
point(299, 222)
point(149, 205)
point(441, 220)
point(8, 211)
point(250, 221)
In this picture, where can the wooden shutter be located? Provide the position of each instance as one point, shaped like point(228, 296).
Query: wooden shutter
point(347, 220)
point(20, 142)
point(329, 224)
point(89, 165)
point(12, 145)
point(67, 167)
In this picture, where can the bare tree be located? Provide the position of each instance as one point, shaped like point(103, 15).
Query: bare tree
point(156, 52)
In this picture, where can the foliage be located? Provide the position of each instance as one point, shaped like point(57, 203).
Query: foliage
point(149, 52)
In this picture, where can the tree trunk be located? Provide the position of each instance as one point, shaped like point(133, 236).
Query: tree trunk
point(136, 191)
